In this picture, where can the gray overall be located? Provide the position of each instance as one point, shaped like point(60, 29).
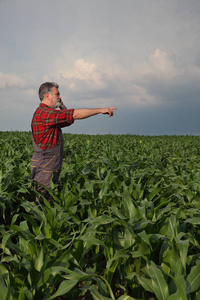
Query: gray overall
point(46, 163)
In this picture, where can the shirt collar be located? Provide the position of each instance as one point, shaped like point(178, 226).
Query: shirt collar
point(43, 105)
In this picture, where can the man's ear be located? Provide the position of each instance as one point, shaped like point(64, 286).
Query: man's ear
point(47, 96)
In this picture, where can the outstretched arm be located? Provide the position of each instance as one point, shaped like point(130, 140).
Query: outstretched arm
point(83, 113)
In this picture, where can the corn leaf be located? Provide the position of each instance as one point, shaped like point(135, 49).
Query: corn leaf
point(64, 287)
point(193, 279)
point(159, 284)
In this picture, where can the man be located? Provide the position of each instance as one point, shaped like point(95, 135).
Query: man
point(47, 135)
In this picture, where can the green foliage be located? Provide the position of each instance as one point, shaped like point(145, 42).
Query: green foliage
point(124, 223)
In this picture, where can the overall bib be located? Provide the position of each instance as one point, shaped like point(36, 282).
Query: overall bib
point(46, 163)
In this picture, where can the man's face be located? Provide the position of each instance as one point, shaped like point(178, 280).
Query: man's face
point(54, 96)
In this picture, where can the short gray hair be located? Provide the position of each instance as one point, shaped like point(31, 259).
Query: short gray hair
point(46, 88)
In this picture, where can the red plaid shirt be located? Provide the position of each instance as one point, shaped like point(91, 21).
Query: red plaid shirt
point(46, 122)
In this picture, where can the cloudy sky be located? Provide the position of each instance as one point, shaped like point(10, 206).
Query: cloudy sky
point(140, 56)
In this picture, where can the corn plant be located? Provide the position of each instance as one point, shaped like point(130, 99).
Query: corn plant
point(124, 223)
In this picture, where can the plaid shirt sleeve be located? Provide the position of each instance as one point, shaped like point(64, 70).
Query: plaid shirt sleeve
point(46, 123)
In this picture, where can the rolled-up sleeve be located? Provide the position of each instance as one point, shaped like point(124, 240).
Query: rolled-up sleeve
point(51, 117)
point(68, 117)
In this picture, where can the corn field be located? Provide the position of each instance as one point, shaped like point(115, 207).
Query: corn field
point(125, 223)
